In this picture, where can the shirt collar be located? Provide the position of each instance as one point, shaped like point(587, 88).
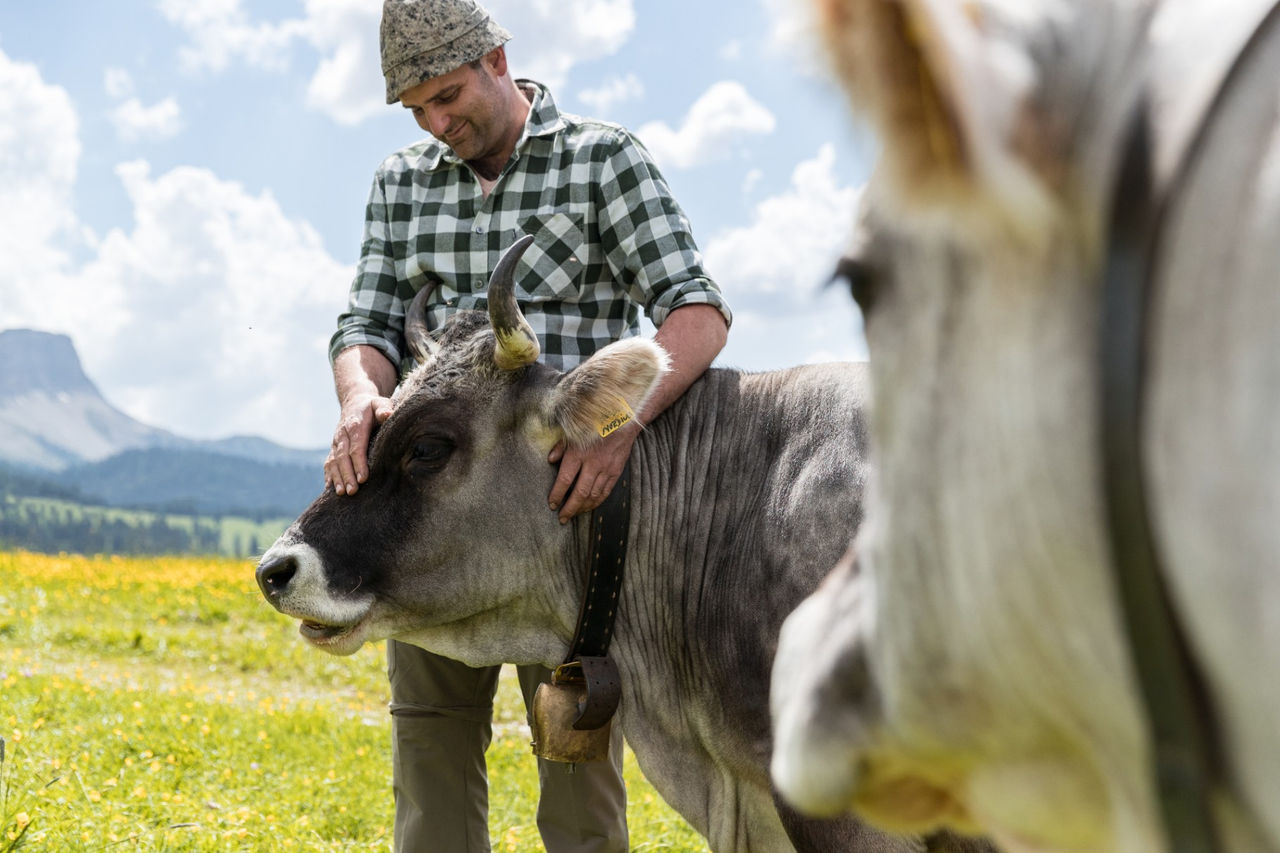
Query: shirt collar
point(544, 119)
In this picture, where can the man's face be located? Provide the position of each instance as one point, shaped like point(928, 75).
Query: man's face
point(464, 109)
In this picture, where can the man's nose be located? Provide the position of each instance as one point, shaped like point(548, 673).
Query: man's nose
point(438, 122)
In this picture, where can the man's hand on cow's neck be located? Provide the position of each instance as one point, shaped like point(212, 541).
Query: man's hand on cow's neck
point(587, 476)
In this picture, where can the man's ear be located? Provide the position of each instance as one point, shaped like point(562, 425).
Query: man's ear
point(607, 390)
point(949, 86)
point(496, 59)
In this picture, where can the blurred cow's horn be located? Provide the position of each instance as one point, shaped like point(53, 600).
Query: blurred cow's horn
point(422, 346)
point(517, 344)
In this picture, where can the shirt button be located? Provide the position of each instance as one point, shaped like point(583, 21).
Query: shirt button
point(479, 230)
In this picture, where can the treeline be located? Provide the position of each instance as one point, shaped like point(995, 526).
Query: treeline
point(23, 526)
point(14, 483)
point(51, 526)
point(39, 513)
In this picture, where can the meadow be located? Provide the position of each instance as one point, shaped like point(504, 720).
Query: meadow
point(158, 704)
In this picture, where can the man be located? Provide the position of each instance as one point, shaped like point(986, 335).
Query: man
point(609, 241)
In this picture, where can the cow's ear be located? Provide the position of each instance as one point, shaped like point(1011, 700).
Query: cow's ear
point(949, 86)
point(605, 392)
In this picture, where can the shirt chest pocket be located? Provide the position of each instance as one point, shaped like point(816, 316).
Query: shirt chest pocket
point(551, 269)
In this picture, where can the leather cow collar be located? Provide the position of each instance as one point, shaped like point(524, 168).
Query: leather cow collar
point(588, 661)
point(1186, 755)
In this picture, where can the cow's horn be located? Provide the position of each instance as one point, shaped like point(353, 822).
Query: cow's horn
point(422, 346)
point(517, 344)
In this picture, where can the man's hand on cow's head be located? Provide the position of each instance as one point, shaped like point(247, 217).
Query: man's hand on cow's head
point(348, 462)
point(588, 475)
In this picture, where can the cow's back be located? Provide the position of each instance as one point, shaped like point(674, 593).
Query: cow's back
point(745, 492)
point(786, 481)
point(751, 488)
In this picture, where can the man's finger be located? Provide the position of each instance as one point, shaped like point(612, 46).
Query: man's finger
point(587, 497)
point(570, 467)
point(346, 471)
point(344, 481)
point(360, 455)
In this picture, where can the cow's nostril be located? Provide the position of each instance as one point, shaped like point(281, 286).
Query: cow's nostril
point(274, 575)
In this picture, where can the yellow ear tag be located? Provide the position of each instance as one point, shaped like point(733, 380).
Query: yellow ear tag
point(614, 422)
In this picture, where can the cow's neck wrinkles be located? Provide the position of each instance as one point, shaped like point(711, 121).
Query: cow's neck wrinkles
point(734, 504)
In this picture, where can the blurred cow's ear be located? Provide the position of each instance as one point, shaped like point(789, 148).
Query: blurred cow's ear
point(604, 393)
point(949, 86)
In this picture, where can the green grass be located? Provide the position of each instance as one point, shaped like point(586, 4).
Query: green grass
point(158, 704)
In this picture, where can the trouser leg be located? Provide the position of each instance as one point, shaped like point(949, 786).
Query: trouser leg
point(441, 712)
point(583, 807)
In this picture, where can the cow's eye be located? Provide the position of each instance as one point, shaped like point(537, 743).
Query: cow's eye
point(430, 454)
point(862, 279)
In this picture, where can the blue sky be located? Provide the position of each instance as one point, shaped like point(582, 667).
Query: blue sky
point(182, 182)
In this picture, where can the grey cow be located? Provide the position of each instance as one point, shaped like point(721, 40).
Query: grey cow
point(743, 493)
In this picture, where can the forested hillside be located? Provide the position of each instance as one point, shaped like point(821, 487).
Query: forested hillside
point(36, 515)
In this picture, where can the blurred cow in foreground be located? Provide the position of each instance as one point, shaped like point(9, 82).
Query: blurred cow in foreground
point(970, 663)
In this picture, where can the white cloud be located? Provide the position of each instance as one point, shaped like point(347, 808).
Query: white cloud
point(616, 90)
point(830, 329)
point(209, 317)
point(792, 243)
point(794, 34)
point(719, 118)
point(117, 83)
point(220, 32)
point(347, 84)
point(39, 157)
point(549, 38)
point(220, 309)
point(134, 121)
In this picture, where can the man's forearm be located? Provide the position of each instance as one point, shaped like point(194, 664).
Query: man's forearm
point(692, 336)
point(363, 368)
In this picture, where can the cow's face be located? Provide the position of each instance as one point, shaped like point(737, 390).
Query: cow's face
point(450, 543)
point(976, 271)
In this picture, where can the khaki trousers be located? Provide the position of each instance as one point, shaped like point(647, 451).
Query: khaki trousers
point(441, 715)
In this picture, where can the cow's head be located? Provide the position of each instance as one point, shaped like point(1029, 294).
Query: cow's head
point(976, 270)
point(450, 543)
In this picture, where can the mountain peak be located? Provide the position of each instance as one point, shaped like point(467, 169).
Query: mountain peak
point(52, 416)
point(41, 362)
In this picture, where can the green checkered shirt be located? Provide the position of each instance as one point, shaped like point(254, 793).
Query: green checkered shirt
point(609, 239)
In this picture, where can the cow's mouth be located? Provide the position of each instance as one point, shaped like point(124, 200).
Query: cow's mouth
point(318, 632)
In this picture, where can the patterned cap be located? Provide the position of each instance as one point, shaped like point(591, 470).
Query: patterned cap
point(422, 39)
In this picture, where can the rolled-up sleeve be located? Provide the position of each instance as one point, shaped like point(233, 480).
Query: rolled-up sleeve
point(647, 239)
point(375, 312)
